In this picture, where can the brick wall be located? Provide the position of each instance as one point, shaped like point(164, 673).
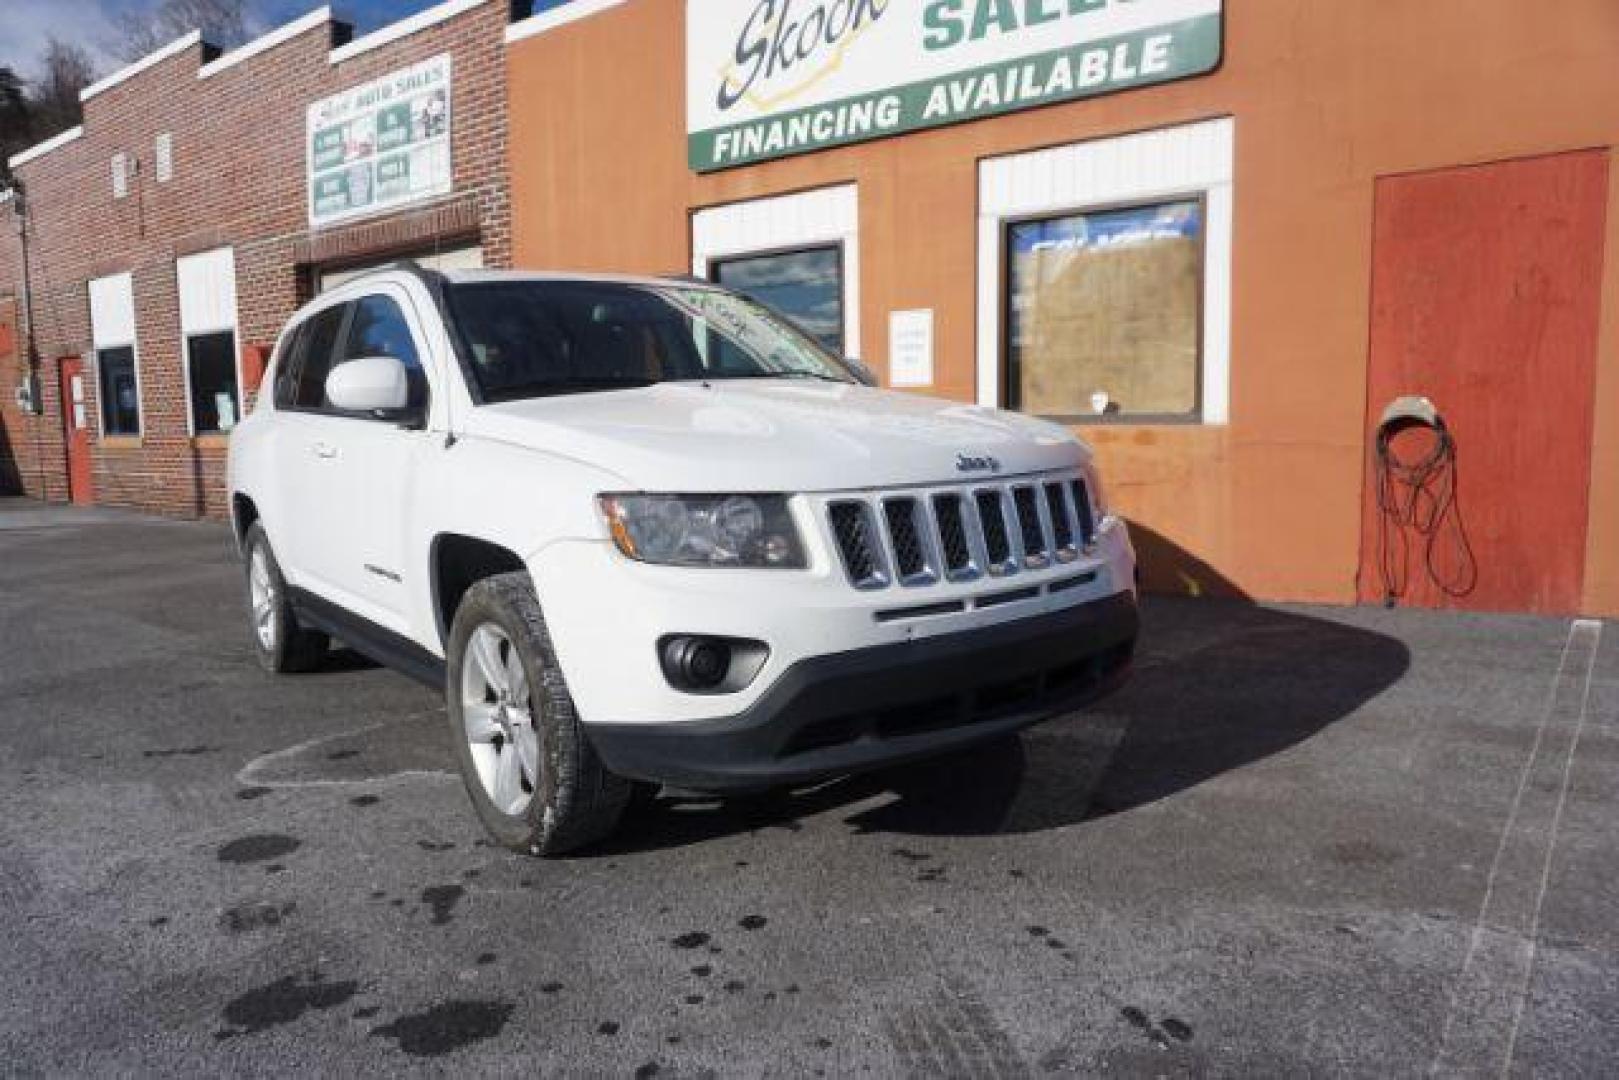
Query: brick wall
point(239, 179)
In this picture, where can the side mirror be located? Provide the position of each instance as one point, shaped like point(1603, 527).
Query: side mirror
point(864, 374)
point(373, 384)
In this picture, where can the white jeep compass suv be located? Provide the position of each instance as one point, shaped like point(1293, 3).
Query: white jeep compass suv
point(644, 531)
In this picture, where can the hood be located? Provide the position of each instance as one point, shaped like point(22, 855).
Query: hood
point(776, 435)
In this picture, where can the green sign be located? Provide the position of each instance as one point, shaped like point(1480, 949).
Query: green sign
point(769, 78)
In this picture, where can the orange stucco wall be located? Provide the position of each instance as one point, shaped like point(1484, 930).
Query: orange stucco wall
point(1326, 96)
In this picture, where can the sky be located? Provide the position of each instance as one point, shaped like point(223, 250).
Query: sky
point(90, 23)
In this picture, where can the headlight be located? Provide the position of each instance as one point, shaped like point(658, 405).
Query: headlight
point(705, 530)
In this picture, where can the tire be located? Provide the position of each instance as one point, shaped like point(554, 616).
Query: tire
point(281, 644)
point(500, 659)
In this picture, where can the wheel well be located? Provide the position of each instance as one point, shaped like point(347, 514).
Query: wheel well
point(460, 562)
point(243, 513)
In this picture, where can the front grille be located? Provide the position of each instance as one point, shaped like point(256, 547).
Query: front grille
point(1082, 507)
point(958, 553)
point(1029, 527)
point(992, 519)
point(858, 544)
point(959, 535)
point(904, 532)
point(1062, 525)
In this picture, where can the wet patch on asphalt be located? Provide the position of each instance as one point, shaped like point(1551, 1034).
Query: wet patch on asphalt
point(261, 847)
point(442, 899)
point(447, 1027)
point(282, 1002)
point(245, 918)
point(1161, 1033)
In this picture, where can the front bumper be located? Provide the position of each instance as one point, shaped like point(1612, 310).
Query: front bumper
point(884, 704)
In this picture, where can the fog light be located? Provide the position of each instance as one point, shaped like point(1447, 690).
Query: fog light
point(696, 663)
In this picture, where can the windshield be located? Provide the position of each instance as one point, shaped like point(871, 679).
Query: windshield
point(537, 338)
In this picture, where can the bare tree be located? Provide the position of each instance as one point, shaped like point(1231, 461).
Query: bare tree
point(16, 120)
point(64, 70)
point(142, 30)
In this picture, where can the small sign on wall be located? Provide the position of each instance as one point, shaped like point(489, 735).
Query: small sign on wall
point(910, 347)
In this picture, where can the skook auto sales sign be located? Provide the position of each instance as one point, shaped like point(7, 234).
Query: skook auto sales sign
point(380, 145)
point(769, 78)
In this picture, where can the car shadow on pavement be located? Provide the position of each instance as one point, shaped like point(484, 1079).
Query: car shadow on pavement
point(1219, 683)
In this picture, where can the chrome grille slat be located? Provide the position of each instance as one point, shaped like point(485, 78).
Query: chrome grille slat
point(1087, 517)
point(1031, 530)
point(990, 507)
point(1061, 514)
point(917, 538)
point(858, 542)
point(909, 541)
point(959, 547)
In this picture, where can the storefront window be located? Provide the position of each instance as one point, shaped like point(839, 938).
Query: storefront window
point(806, 286)
point(215, 405)
point(1104, 310)
point(120, 395)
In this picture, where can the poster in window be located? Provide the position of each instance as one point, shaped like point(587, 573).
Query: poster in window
point(1104, 312)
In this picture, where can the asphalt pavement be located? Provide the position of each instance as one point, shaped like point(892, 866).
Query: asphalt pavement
point(1303, 840)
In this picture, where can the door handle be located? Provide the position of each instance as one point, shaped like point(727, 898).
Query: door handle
point(323, 450)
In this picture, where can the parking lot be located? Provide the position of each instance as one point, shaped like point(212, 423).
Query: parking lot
point(1302, 840)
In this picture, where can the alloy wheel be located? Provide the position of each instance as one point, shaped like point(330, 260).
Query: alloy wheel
point(498, 719)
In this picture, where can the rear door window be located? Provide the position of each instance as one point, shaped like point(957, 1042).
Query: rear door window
point(317, 345)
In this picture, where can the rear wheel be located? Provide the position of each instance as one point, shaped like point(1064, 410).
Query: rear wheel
point(534, 779)
point(279, 641)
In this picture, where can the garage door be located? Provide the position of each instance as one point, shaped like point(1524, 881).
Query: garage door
point(462, 258)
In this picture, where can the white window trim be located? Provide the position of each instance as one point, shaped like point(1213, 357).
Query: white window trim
point(1179, 162)
point(98, 343)
point(215, 326)
point(818, 218)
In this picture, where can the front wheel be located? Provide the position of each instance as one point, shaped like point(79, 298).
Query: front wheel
point(279, 641)
point(534, 779)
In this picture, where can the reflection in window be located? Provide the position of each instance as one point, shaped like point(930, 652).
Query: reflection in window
point(379, 329)
point(120, 395)
point(317, 344)
point(1104, 312)
point(806, 286)
point(211, 360)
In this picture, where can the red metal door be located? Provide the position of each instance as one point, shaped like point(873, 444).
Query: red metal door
point(1486, 299)
point(76, 430)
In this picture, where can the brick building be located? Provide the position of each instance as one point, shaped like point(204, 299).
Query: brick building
point(171, 235)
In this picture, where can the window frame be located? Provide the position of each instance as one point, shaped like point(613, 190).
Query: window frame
point(1151, 164)
point(838, 245)
point(1200, 196)
point(186, 338)
point(340, 342)
point(98, 345)
point(101, 391)
point(345, 309)
point(809, 217)
point(203, 329)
